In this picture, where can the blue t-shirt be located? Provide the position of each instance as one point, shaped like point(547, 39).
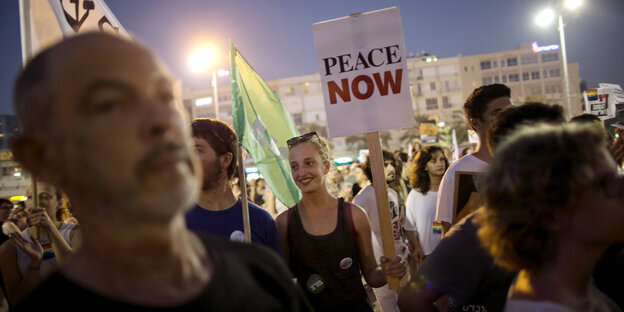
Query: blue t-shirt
point(229, 223)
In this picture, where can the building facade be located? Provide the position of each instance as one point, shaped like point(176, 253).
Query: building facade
point(438, 86)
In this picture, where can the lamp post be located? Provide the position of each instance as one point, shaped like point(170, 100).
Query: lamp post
point(543, 19)
point(199, 62)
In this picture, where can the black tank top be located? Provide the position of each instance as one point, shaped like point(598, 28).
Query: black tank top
point(327, 267)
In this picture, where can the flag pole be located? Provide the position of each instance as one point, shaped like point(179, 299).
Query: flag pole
point(243, 186)
point(24, 10)
point(381, 196)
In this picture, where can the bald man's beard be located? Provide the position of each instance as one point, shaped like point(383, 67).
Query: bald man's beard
point(212, 176)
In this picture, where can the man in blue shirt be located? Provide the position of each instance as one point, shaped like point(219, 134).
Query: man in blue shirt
point(218, 211)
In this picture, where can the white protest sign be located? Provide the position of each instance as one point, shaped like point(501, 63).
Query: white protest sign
point(364, 72)
point(601, 102)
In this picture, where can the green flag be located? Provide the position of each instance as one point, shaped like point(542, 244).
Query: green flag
point(263, 126)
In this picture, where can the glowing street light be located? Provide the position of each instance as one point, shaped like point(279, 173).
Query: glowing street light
point(200, 62)
point(544, 18)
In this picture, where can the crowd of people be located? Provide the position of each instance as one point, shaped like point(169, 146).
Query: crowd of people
point(139, 209)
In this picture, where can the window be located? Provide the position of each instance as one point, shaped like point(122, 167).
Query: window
point(553, 88)
point(550, 57)
point(496, 79)
point(432, 85)
point(513, 61)
point(534, 75)
point(535, 90)
point(545, 74)
point(514, 77)
point(504, 78)
point(525, 76)
point(487, 80)
point(432, 103)
point(445, 102)
point(502, 63)
point(297, 119)
point(494, 64)
point(486, 65)
point(449, 85)
point(555, 72)
point(529, 59)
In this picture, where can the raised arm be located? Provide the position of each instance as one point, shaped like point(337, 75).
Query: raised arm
point(17, 286)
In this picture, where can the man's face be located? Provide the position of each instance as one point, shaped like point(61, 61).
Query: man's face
point(389, 170)
point(123, 139)
point(494, 107)
point(214, 173)
point(5, 211)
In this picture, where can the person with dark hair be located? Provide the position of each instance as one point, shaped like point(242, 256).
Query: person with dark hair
point(481, 108)
point(101, 118)
point(326, 240)
point(548, 188)
point(586, 118)
point(6, 209)
point(425, 177)
point(367, 200)
point(35, 253)
point(459, 267)
point(218, 211)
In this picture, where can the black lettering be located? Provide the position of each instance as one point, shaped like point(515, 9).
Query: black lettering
point(328, 66)
point(360, 61)
point(344, 61)
point(390, 53)
point(371, 58)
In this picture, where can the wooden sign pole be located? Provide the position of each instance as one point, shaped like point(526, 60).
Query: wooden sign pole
point(381, 194)
point(243, 186)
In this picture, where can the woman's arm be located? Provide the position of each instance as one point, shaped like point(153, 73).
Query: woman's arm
point(17, 286)
point(374, 275)
point(282, 228)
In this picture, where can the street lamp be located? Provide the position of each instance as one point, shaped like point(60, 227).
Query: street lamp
point(543, 19)
point(199, 62)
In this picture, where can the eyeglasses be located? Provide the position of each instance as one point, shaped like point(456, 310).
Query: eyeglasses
point(301, 138)
point(204, 127)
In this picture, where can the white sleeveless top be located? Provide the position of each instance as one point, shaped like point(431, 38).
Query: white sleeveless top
point(48, 261)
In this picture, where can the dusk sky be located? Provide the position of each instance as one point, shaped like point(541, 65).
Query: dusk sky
point(276, 36)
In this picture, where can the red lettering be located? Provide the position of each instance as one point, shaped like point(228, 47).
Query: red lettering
point(333, 89)
point(355, 87)
point(395, 84)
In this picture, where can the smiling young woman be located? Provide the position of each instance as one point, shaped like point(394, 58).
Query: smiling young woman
point(326, 241)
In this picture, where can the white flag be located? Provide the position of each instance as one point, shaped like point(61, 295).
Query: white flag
point(45, 22)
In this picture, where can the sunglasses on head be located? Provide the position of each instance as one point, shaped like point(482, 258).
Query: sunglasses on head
point(301, 138)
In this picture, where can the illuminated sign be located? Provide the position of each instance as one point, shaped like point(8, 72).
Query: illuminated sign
point(537, 48)
point(205, 101)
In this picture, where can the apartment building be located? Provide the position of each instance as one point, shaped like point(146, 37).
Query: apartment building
point(438, 86)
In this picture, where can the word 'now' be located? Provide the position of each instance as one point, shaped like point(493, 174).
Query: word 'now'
point(383, 83)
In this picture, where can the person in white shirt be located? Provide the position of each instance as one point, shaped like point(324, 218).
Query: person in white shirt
point(388, 299)
point(425, 176)
point(481, 107)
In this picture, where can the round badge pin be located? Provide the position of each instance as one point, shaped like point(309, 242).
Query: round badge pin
point(346, 263)
point(315, 284)
point(237, 236)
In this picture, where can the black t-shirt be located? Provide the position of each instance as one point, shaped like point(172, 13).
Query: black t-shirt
point(461, 268)
point(245, 278)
